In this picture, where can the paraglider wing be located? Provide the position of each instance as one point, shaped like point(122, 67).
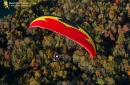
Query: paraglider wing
point(68, 29)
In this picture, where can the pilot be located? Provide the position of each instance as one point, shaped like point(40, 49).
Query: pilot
point(56, 57)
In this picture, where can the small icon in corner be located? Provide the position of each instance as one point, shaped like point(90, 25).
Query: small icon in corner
point(6, 4)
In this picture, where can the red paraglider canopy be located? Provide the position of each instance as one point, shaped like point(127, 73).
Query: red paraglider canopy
point(67, 29)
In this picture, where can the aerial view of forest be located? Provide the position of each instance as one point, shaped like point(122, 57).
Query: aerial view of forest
point(43, 57)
